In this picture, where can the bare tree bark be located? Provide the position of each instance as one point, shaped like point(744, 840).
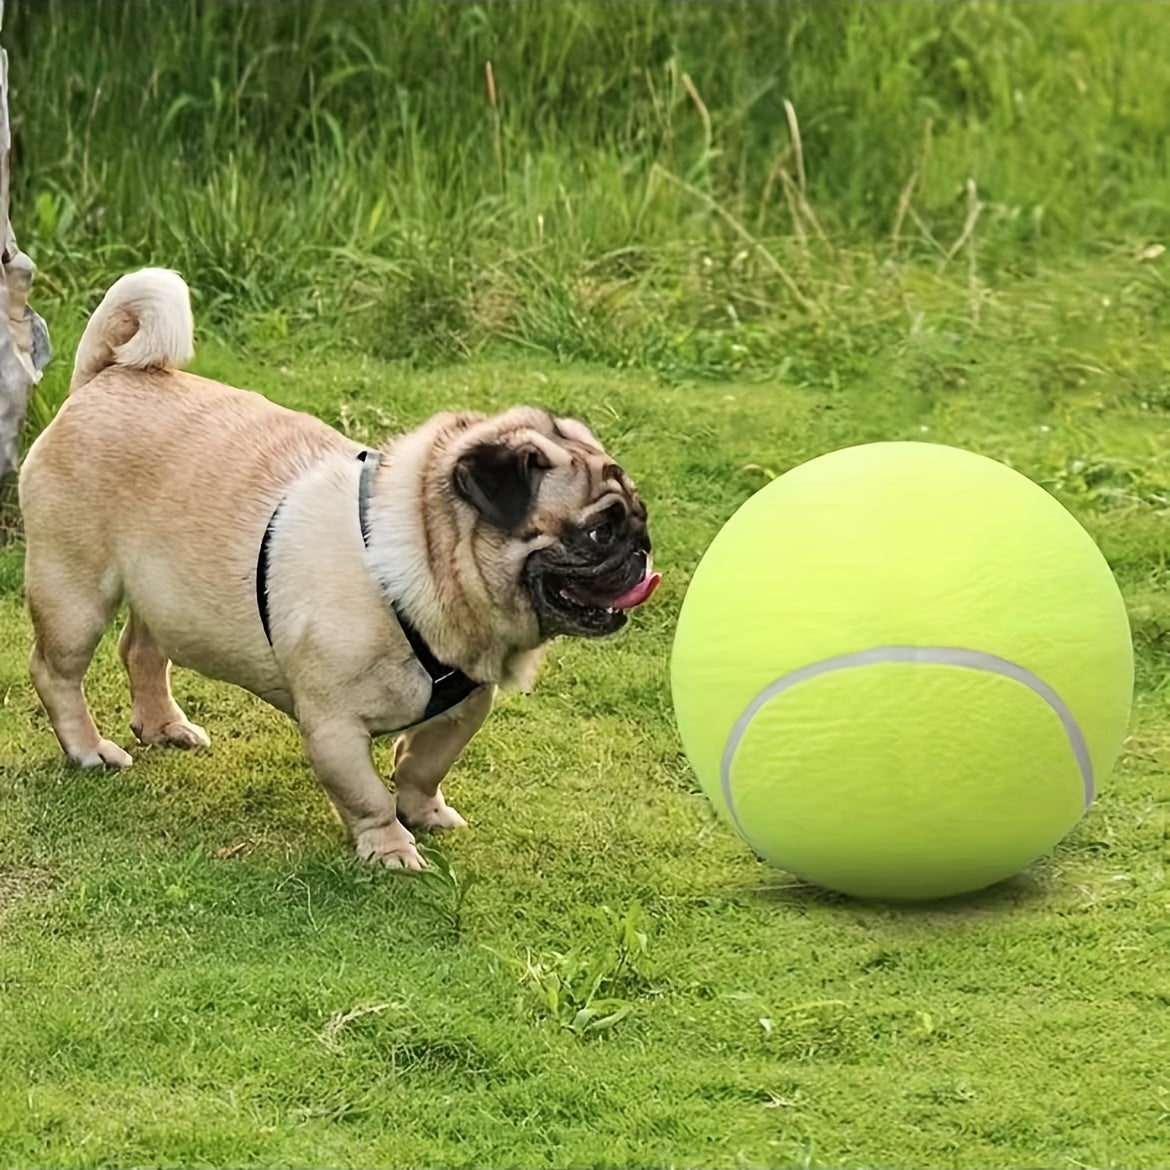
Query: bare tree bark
point(24, 337)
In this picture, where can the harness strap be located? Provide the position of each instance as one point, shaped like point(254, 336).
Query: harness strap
point(449, 686)
point(262, 574)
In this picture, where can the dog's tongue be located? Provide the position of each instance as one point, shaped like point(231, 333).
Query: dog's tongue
point(639, 593)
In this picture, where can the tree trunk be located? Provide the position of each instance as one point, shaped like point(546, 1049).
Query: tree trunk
point(24, 337)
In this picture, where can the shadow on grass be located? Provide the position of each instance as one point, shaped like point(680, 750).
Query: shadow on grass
point(779, 888)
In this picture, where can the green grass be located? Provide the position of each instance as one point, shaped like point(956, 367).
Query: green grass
point(193, 971)
point(631, 189)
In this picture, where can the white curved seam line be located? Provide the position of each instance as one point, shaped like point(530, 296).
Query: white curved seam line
point(925, 655)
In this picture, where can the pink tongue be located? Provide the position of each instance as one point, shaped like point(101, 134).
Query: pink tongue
point(639, 593)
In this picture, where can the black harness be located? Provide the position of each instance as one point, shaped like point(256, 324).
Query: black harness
point(449, 686)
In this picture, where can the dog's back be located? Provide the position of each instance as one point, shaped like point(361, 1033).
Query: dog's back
point(139, 429)
point(153, 484)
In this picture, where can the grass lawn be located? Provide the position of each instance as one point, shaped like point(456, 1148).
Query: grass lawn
point(194, 971)
point(731, 237)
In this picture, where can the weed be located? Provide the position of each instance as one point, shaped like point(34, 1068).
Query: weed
point(445, 890)
point(589, 989)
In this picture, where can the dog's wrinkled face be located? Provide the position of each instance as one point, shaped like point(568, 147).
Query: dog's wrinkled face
point(571, 517)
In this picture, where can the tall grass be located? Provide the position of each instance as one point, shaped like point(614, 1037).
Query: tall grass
point(659, 183)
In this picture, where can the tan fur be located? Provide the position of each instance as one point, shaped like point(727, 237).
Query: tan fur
point(154, 487)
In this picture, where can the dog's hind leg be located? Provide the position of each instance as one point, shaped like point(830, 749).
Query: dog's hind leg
point(70, 609)
point(155, 717)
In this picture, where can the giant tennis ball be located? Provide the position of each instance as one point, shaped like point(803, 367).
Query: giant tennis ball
point(901, 670)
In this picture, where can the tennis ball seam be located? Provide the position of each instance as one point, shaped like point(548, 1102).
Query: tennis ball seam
point(915, 655)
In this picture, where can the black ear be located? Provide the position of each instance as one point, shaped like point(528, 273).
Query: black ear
point(500, 482)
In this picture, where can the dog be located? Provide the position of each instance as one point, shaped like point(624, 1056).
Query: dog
point(361, 591)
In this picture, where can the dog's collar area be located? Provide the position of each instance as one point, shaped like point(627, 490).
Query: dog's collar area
point(449, 686)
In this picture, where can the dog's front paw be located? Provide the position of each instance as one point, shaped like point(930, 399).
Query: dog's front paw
point(430, 812)
point(106, 755)
point(390, 845)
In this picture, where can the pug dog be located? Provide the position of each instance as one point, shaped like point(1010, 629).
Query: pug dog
point(360, 591)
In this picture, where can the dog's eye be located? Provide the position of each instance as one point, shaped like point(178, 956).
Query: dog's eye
point(606, 526)
point(603, 533)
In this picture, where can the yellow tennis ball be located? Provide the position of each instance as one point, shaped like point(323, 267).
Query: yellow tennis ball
point(901, 670)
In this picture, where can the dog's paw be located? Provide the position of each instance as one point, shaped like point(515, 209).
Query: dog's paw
point(431, 812)
point(180, 733)
point(444, 818)
point(389, 845)
point(106, 755)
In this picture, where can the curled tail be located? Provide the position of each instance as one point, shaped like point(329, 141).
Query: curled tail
point(144, 322)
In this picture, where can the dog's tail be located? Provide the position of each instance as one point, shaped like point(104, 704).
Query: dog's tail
point(143, 323)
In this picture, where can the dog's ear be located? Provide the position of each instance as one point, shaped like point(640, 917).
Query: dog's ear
point(500, 482)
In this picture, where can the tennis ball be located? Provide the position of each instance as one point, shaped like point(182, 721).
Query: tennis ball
point(901, 670)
